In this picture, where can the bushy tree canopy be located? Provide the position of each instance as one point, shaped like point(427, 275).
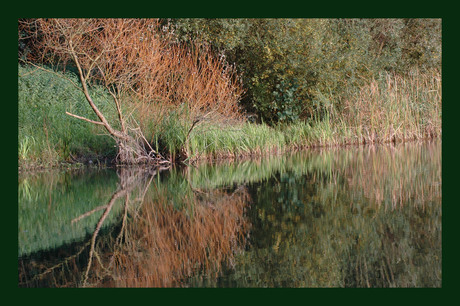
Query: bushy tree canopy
point(299, 67)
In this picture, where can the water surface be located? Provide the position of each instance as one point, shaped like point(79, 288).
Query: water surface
point(350, 217)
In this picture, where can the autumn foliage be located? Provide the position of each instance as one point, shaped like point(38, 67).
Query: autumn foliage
point(135, 61)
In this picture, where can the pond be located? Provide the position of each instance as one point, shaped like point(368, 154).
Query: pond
point(366, 216)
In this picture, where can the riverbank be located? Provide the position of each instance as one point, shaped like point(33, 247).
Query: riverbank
point(389, 109)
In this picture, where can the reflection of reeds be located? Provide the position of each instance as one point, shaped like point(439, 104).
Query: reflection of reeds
point(390, 176)
point(361, 217)
point(49, 201)
point(403, 257)
point(354, 217)
point(387, 174)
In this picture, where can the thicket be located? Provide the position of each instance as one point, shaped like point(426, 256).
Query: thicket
point(184, 83)
point(300, 68)
point(141, 71)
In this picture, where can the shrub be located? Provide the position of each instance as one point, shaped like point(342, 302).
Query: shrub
point(297, 68)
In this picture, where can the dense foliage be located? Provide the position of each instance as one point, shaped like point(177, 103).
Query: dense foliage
point(316, 81)
point(297, 68)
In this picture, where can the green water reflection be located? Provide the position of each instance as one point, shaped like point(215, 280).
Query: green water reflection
point(349, 217)
point(48, 202)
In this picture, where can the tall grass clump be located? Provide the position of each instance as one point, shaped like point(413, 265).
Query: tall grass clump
point(391, 108)
point(192, 88)
point(46, 135)
point(215, 141)
point(395, 108)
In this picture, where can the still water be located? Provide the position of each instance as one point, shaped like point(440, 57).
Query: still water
point(350, 217)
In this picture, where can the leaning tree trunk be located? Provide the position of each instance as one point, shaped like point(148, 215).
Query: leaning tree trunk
point(135, 59)
point(132, 149)
point(105, 52)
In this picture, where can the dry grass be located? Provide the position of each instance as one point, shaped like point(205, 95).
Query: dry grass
point(396, 109)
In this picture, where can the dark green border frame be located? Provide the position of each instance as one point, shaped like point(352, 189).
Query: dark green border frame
point(394, 9)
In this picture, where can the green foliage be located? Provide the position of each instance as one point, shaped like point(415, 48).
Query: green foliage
point(46, 135)
point(285, 102)
point(310, 79)
point(295, 68)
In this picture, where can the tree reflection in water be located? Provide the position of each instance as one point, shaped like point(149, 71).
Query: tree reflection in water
point(350, 217)
point(166, 233)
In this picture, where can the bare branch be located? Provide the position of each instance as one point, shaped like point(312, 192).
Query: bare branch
point(85, 119)
point(137, 64)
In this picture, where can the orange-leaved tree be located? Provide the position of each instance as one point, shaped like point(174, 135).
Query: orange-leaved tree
point(134, 60)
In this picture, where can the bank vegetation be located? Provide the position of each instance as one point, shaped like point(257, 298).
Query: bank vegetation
point(159, 91)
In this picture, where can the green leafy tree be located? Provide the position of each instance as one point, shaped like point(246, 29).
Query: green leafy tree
point(302, 68)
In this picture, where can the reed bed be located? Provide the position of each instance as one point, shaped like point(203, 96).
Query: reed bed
point(394, 108)
point(389, 109)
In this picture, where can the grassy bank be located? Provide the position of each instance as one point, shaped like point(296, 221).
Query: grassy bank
point(391, 108)
point(388, 109)
point(47, 136)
